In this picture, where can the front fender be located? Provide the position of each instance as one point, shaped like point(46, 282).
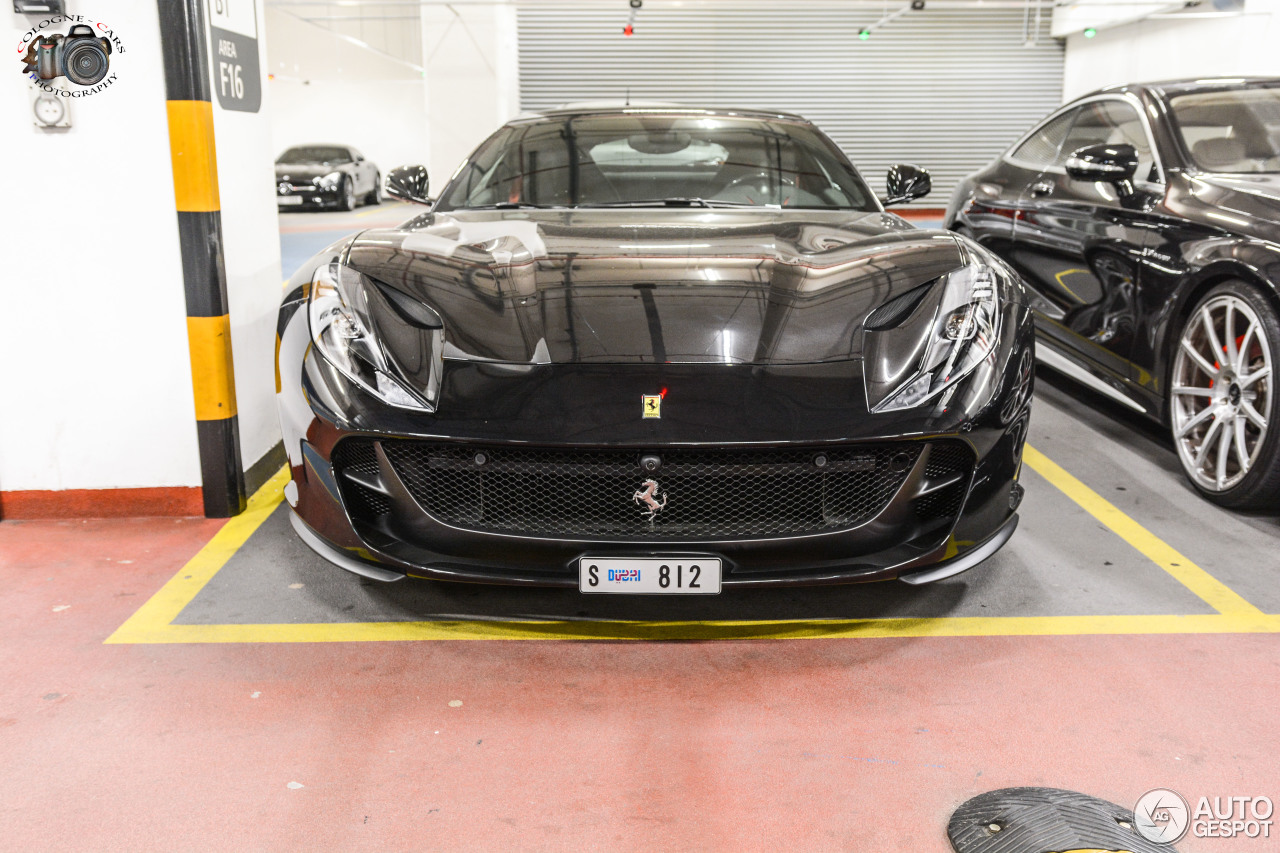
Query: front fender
point(1174, 281)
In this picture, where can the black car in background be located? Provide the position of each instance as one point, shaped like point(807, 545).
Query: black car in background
point(655, 350)
point(1145, 221)
point(320, 176)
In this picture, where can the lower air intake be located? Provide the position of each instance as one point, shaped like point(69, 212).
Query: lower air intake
point(698, 494)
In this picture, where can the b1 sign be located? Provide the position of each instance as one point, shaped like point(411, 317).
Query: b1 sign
point(233, 36)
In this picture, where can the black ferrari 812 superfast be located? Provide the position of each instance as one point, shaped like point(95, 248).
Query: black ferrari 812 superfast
point(655, 349)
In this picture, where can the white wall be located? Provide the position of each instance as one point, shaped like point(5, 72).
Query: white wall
point(95, 391)
point(251, 248)
point(471, 71)
point(1163, 49)
point(1075, 17)
point(95, 388)
point(327, 89)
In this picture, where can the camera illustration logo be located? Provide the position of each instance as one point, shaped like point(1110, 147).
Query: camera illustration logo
point(1161, 815)
point(80, 56)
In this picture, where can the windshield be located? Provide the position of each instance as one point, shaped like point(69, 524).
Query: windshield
point(637, 160)
point(315, 154)
point(1232, 131)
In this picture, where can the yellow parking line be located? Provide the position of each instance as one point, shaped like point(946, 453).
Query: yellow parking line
point(1060, 276)
point(152, 623)
point(163, 607)
point(977, 626)
point(1213, 591)
point(378, 209)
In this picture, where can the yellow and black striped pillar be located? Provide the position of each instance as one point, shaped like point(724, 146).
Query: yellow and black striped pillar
point(195, 188)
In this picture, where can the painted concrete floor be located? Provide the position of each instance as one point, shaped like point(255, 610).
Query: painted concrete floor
point(302, 234)
point(189, 684)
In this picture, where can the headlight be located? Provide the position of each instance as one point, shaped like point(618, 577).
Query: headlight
point(342, 331)
point(330, 180)
point(927, 339)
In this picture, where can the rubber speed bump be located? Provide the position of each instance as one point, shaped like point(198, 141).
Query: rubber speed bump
point(1046, 820)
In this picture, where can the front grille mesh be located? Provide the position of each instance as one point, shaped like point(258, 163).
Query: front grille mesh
point(708, 494)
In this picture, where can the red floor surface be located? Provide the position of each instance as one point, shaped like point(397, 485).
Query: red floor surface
point(864, 744)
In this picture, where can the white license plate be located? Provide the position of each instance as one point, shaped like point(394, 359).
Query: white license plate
point(650, 575)
point(289, 199)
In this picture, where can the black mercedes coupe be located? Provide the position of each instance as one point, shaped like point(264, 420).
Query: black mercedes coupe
point(1145, 221)
point(655, 350)
point(320, 176)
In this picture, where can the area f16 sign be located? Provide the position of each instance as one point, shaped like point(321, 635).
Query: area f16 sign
point(233, 37)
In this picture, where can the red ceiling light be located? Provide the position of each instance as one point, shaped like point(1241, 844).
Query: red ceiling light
point(629, 30)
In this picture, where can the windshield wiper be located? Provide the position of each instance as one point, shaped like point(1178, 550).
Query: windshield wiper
point(511, 205)
point(668, 202)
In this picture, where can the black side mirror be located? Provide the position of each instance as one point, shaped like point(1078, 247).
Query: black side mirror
point(1115, 164)
point(906, 183)
point(408, 183)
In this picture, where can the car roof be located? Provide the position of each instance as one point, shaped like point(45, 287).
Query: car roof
point(1182, 86)
point(654, 107)
point(318, 145)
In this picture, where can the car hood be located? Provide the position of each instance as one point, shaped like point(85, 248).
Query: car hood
point(1254, 197)
point(306, 171)
point(648, 286)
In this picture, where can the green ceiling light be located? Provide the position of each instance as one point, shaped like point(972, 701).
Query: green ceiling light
point(1090, 32)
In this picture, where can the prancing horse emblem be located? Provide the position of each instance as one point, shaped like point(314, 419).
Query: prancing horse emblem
point(646, 494)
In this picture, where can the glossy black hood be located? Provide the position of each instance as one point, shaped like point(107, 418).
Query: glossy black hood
point(651, 286)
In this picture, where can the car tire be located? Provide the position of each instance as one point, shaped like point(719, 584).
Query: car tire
point(375, 194)
point(1224, 410)
point(347, 195)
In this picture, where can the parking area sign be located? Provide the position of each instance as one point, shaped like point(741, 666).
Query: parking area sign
point(233, 32)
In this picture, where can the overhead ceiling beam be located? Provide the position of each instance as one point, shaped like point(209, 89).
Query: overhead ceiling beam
point(834, 4)
point(1078, 15)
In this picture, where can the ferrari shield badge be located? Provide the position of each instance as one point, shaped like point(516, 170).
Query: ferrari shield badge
point(651, 406)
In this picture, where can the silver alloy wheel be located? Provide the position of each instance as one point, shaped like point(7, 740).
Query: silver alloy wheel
point(1222, 390)
point(349, 195)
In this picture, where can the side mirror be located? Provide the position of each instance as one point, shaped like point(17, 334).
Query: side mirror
point(1115, 164)
point(408, 183)
point(905, 183)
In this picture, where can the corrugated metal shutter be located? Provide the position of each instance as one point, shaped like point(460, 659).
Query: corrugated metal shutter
point(947, 88)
